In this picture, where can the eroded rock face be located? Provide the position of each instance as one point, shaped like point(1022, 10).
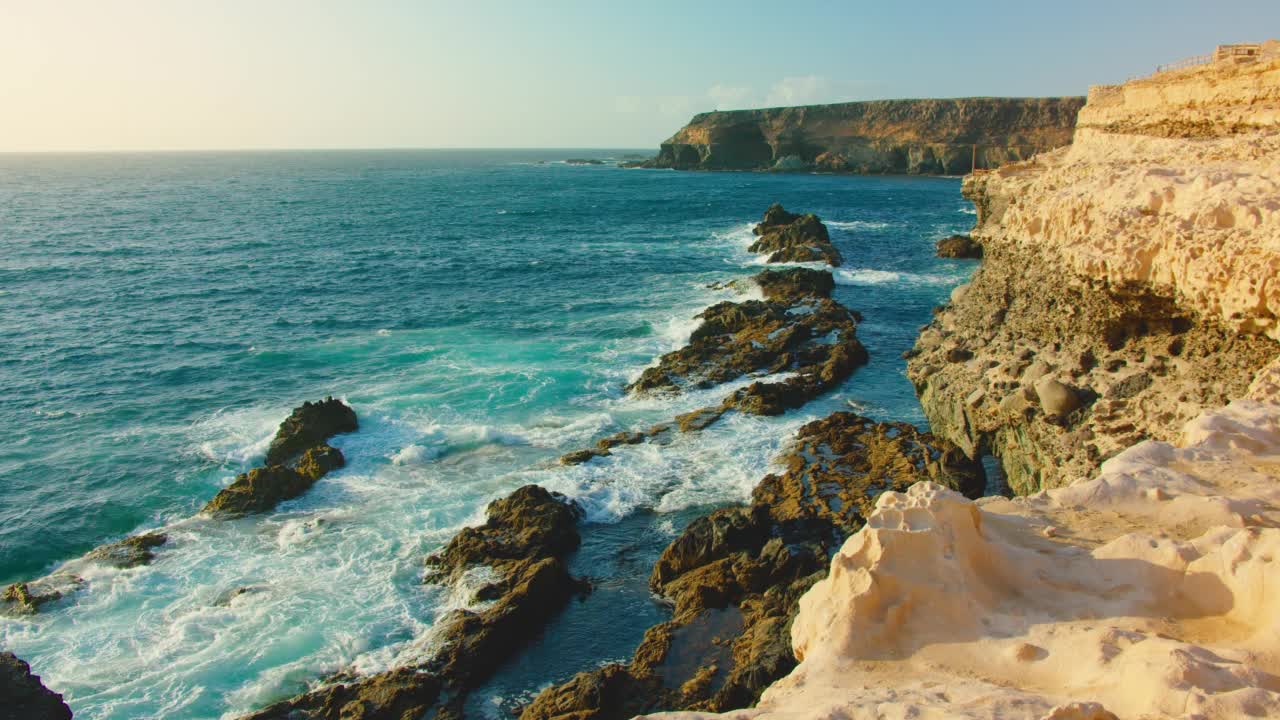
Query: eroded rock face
point(1053, 373)
point(881, 136)
point(308, 426)
point(790, 285)
point(788, 237)
point(258, 490)
point(735, 576)
point(130, 552)
point(24, 697)
point(524, 540)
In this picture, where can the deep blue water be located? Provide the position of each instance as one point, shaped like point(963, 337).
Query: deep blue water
point(160, 314)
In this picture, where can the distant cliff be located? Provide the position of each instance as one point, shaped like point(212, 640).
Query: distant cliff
point(926, 137)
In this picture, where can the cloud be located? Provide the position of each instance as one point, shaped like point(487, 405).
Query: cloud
point(805, 90)
point(730, 97)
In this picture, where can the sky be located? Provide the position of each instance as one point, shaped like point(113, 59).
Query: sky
point(256, 74)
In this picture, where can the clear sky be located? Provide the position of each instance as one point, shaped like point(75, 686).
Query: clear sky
point(219, 74)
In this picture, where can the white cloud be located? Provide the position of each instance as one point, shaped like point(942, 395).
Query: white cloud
point(730, 97)
point(805, 90)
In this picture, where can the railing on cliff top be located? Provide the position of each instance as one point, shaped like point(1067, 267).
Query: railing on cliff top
point(1185, 63)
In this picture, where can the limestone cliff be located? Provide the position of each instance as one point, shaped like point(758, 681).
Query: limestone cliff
point(1118, 351)
point(884, 136)
point(1128, 282)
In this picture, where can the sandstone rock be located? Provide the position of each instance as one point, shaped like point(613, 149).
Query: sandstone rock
point(882, 136)
point(24, 697)
point(1055, 397)
point(308, 426)
point(959, 246)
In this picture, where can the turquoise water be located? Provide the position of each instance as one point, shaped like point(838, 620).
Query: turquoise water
point(160, 315)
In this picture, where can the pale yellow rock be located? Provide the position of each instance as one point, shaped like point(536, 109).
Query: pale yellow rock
point(1170, 608)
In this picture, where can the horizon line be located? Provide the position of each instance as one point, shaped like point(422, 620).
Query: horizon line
point(139, 151)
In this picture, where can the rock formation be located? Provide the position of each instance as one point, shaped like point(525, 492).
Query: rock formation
point(734, 577)
point(1125, 296)
point(1128, 280)
point(24, 697)
point(301, 442)
point(794, 238)
point(521, 548)
point(884, 136)
point(959, 246)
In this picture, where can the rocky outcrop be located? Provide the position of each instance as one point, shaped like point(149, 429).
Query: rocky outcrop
point(1128, 282)
point(959, 246)
point(308, 426)
point(735, 576)
point(932, 137)
point(1146, 592)
point(787, 237)
point(519, 555)
point(298, 456)
point(24, 697)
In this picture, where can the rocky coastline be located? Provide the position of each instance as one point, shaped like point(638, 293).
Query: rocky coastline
point(912, 137)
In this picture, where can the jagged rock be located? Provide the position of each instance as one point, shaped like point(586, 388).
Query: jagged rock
point(308, 426)
point(23, 598)
point(959, 246)
point(804, 239)
point(525, 539)
point(735, 576)
point(775, 216)
point(130, 552)
point(24, 697)
point(320, 461)
point(258, 490)
point(791, 285)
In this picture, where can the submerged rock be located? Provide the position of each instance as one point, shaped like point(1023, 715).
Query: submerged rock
point(24, 697)
point(130, 552)
point(735, 577)
point(525, 539)
point(308, 426)
point(794, 238)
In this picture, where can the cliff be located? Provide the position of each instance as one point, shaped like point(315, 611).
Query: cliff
point(885, 136)
point(1128, 282)
point(1117, 351)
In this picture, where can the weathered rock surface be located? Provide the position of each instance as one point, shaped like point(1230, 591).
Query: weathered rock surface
point(735, 576)
point(1128, 283)
point(24, 697)
point(793, 284)
point(1149, 591)
point(310, 425)
point(130, 552)
point(788, 237)
point(882, 136)
point(959, 246)
point(523, 542)
point(298, 456)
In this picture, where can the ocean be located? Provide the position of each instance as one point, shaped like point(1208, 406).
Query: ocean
point(160, 314)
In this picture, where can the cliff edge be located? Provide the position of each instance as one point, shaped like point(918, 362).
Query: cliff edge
point(1117, 351)
point(931, 137)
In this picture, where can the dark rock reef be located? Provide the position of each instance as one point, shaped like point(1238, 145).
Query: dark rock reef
point(930, 137)
point(735, 576)
point(24, 697)
point(788, 237)
point(298, 456)
point(524, 542)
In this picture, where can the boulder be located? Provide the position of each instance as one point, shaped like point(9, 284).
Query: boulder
point(959, 246)
point(791, 285)
point(24, 697)
point(1055, 397)
point(309, 425)
point(130, 552)
point(804, 239)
